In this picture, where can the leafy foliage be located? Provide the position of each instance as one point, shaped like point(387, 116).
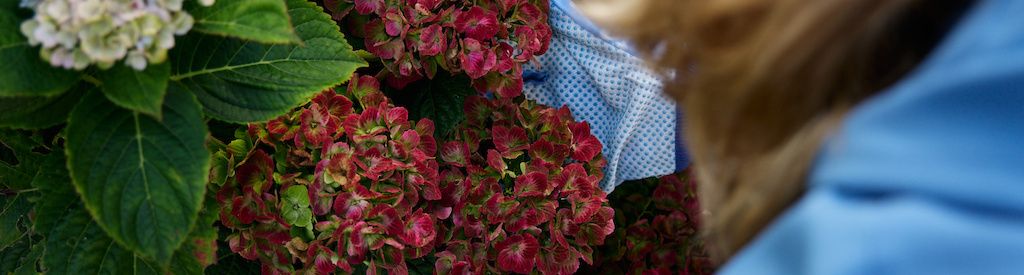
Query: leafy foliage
point(141, 91)
point(62, 237)
point(255, 20)
point(143, 195)
point(354, 180)
point(22, 258)
point(20, 169)
point(13, 216)
point(128, 196)
point(38, 112)
point(243, 81)
point(439, 100)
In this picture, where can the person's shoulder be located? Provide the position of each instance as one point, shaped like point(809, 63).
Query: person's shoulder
point(954, 128)
point(925, 178)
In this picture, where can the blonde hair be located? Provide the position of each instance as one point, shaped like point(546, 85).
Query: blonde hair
point(764, 82)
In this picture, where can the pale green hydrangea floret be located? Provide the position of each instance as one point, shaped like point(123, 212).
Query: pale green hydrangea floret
point(77, 33)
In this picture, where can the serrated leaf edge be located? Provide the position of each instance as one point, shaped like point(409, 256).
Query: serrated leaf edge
point(163, 264)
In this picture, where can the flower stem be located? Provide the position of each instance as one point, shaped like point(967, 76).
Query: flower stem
point(92, 80)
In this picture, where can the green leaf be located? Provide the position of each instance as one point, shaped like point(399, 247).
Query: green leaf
point(220, 168)
point(440, 99)
point(22, 72)
point(200, 250)
point(19, 172)
point(242, 81)
point(10, 258)
point(57, 196)
point(39, 112)
point(30, 262)
point(13, 218)
point(185, 261)
point(239, 148)
point(75, 243)
point(264, 21)
point(295, 207)
point(78, 246)
point(204, 236)
point(16, 256)
point(22, 165)
point(142, 180)
point(141, 91)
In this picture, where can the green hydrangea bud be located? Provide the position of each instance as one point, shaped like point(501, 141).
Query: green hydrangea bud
point(75, 34)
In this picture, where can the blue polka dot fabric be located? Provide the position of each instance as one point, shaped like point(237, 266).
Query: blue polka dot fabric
point(604, 84)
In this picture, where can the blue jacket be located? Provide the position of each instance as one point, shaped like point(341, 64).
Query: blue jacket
point(925, 178)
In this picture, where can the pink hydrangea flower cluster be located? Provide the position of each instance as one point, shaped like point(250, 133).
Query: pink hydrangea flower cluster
point(487, 40)
point(663, 236)
point(523, 185)
point(349, 182)
point(330, 187)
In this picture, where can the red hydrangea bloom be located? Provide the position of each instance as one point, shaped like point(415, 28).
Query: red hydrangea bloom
point(508, 141)
point(380, 43)
point(495, 161)
point(455, 153)
point(425, 4)
point(503, 85)
point(531, 14)
point(394, 22)
point(487, 41)
point(419, 230)
point(517, 253)
point(543, 32)
point(280, 130)
point(477, 23)
point(662, 235)
point(431, 41)
point(322, 258)
point(245, 198)
point(559, 259)
point(354, 205)
point(364, 88)
point(585, 145)
point(508, 5)
point(369, 6)
point(528, 39)
point(531, 184)
point(364, 168)
point(318, 126)
point(477, 61)
point(505, 199)
point(335, 104)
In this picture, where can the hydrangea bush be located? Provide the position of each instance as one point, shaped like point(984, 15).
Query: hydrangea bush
point(523, 185)
point(660, 220)
point(112, 103)
point(350, 183)
point(429, 160)
point(487, 40)
point(333, 185)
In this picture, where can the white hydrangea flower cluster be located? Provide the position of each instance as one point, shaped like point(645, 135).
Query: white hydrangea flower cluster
point(77, 33)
